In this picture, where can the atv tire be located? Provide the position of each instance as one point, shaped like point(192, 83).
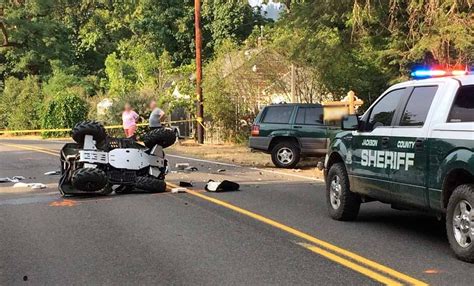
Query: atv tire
point(123, 189)
point(150, 184)
point(89, 180)
point(93, 128)
point(162, 136)
point(107, 190)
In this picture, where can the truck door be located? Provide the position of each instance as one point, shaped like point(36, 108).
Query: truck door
point(410, 166)
point(368, 172)
point(311, 130)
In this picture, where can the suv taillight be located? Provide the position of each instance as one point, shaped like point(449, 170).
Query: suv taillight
point(255, 130)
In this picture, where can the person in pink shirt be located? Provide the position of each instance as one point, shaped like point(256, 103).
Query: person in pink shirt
point(129, 119)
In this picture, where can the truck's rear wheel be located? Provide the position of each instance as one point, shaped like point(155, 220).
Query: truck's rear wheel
point(341, 202)
point(460, 222)
point(285, 155)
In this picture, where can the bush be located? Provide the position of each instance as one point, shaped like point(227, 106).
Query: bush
point(63, 111)
point(20, 104)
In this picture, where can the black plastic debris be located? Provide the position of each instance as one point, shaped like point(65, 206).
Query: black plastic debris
point(191, 169)
point(181, 166)
point(185, 184)
point(224, 186)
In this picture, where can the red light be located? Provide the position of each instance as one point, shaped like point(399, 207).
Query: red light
point(255, 130)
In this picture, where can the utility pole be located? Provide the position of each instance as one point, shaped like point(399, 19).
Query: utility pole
point(198, 41)
point(293, 84)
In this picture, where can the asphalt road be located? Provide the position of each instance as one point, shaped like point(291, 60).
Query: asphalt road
point(275, 230)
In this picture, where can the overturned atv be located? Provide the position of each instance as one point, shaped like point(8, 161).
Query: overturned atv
point(96, 163)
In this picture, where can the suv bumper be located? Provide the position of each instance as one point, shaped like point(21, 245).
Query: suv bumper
point(259, 143)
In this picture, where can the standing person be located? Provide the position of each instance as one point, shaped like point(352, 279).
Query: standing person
point(129, 120)
point(156, 115)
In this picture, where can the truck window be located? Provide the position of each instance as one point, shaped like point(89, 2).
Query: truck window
point(463, 106)
point(418, 106)
point(278, 114)
point(309, 116)
point(382, 113)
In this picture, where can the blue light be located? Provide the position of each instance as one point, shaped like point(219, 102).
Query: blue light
point(424, 73)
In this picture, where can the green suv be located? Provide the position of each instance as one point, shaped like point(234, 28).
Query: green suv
point(413, 149)
point(289, 131)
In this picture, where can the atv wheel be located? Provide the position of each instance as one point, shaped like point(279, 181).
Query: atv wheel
point(89, 179)
point(123, 189)
point(460, 222)
point(107, 190)
point(164, 137)
point(342, 204)
point(150, 184)
point(93, 128)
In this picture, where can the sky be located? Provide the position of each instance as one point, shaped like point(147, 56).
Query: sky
point(272, 9)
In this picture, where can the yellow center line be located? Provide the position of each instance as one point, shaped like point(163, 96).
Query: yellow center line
point(349, 264)
point(370, 263)
point(31, 148)
point(315, 248)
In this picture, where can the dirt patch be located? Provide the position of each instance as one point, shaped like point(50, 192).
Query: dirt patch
point(242, 155)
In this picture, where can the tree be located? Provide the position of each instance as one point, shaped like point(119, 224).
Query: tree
point(229, 20)
point(20, 103)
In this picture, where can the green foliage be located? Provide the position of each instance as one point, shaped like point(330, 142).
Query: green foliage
point(63, 110)
point(34, 37)
point(229, 20)
point(366, 45)
point(133, 51)
point(20, 104)
point(225, 105)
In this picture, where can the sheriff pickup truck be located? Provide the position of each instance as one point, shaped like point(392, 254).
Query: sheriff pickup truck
point(413, 149)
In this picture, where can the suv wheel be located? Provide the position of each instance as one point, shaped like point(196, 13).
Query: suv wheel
point(460, 222)
point(341, 202)
point(285, 155)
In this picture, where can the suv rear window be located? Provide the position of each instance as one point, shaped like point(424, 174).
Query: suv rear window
point(309, 116)
point(278, 114)
point(463, 106)
point(418, 106)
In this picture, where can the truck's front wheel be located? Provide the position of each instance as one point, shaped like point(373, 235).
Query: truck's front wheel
point(341, 202)
point(460, 222)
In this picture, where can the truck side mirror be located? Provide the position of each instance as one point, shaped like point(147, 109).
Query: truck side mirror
point(350, 122)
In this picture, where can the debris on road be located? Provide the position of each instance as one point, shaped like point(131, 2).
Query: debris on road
point(224, 186)
point(14, 179)
point(191, 169)
point(185, 184)
point(53, 173)
point(178, 190)
point(220, 170)
point(181, 166)
point(30, 185)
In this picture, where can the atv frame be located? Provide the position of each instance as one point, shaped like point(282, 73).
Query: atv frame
point(98, 164)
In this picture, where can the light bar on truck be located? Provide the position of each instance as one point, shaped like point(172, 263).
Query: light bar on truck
point(429, 73)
